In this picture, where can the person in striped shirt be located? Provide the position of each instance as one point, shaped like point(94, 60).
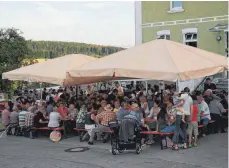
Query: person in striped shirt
point(22, 115)
point(29, 117)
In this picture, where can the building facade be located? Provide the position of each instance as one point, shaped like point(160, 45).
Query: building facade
point(198, 24)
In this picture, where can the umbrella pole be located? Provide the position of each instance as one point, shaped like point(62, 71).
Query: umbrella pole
point(77, 91)
point(76, 94)
point(146, 87)
point(40, 91)
point(162, 96)
point(177, 85)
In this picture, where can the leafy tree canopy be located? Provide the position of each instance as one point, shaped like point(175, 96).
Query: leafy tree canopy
point(13, 50)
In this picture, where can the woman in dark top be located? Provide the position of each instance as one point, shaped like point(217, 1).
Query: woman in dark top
point(40, 120)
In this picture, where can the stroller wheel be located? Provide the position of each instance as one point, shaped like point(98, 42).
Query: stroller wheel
point(114, 150)
point(120, 151)
point(138, 148)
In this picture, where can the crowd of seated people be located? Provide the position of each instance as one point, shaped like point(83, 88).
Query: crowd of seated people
point(93, 110)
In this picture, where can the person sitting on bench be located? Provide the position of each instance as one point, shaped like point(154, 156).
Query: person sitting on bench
point(39, 121)
point(102, 120)
point(14, 119)
point(89, 122)
point(54, 119)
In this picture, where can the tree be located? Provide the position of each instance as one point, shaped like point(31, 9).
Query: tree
point(53, 49)
point(13, 50)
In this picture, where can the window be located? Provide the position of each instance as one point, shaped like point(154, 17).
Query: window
point(167, 37)
point(176, 6)
point(163, 34)
point(190, 36)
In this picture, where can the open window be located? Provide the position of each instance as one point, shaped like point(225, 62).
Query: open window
point(163, 34)
point(190, 36)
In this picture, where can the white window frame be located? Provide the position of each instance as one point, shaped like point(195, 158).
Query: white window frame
point(176, 9)
point(164, 33)
point(189, 30)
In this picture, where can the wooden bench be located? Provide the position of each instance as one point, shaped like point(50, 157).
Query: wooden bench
point(211, 121)
point(209, 124)
point(83, 129)
point(51, 129)
point(200, 126)
point(48, 128)
point(162, 135)
point(149, 120)
point(79, 129)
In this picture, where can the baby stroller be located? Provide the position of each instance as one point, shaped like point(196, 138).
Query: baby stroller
point(121, 140)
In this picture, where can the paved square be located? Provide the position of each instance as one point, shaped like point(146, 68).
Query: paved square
point(20, 152)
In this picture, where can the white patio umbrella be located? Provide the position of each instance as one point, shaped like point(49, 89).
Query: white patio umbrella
point(159, 60)
point(52, 71)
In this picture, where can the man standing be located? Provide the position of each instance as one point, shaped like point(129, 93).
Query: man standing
point(102, 121)
point(209, 85)
point(187, 104)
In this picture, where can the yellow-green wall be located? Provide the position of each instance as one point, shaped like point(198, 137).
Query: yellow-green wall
point(157, 12)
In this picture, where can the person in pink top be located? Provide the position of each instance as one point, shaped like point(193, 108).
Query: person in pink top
point(62, 109)
point(6, 115)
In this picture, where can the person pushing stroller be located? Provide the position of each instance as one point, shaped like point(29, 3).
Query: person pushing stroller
point(136, 117)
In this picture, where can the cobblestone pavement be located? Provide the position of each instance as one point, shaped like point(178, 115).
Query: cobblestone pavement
point(20, 152)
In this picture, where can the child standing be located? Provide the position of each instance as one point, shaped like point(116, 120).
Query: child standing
point(193, 124)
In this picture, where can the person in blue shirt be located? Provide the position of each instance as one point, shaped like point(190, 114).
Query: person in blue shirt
point(123, 111)
point(134, 114)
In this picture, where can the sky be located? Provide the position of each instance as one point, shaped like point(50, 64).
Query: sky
point(102, 23)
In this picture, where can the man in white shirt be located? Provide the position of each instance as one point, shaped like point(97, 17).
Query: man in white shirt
point(205, 116)
point(54, 119)
point(186, 102)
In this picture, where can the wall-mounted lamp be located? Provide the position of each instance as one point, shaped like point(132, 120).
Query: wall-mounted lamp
point(218, 38)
